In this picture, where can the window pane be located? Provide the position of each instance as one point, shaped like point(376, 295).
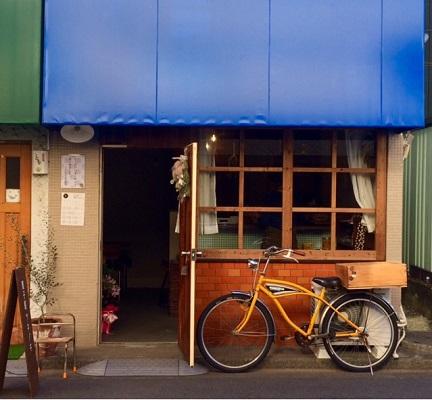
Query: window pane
point(352, 234)
point(223, 145)
point(312, 148)
point(12, 173)
point(262, 230)
point(363, 150)
point(311, 231)
point(312, 189)
point(227, 189)
point(365, 184)
point(263, 189)
point(227, 236)
point(263, 148)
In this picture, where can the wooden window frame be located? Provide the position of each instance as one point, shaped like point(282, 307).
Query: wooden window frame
point(288, 209)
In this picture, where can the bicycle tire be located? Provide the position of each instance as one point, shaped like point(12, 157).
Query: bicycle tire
point(380, 323)
point(234, 353)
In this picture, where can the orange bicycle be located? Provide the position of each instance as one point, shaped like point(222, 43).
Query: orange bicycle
point(359, 329)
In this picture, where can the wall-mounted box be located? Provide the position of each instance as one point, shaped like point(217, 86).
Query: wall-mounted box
point(367, 275)
point(40, 162)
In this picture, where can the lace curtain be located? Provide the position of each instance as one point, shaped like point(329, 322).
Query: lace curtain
point(207, 185)
point(363, 187)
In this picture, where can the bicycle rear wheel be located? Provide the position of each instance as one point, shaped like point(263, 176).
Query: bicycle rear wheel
point(231, 352)
point(371, 350)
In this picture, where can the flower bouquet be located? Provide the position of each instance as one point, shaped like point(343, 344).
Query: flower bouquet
point(110, 298)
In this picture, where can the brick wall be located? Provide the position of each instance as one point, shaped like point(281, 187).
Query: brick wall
point(216, 278)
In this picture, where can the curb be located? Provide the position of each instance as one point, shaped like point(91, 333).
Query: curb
point(413, 345)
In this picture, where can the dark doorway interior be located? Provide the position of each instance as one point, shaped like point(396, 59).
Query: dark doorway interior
point(139, 205)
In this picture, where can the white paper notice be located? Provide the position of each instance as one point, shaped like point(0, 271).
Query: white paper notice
point(72, 171)
point(72, 209)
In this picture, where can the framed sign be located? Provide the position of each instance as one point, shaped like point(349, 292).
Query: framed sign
point(18, 292)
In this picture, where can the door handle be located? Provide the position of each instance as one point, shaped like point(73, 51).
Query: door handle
point(193, 253)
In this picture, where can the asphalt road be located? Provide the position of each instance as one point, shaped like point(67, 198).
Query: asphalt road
point(257, 384)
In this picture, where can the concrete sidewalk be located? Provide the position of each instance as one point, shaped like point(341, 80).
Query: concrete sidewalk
point(415, 352)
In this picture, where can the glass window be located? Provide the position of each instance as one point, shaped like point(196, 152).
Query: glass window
point(311, 231)
point(328, 203)
point(312, 148)
point(262, 229)
point(223, 145)
point(363, 149)
point(352, 232)
point(263, 148)
point(262, 189)
point(13, 173)
point(345, 196)
point(312, 189)
point(226, 236)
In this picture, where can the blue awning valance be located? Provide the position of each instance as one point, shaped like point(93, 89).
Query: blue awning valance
point(243, 62)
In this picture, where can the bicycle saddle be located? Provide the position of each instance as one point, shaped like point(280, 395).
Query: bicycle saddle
point(333, 282)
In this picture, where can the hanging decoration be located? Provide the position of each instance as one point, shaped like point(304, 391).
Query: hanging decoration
point(407, 139)
point(180, 177)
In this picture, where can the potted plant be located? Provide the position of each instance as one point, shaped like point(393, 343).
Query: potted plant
point(43, 280)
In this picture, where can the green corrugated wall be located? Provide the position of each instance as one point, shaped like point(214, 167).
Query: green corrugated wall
point(20, 60)
point(417, 224)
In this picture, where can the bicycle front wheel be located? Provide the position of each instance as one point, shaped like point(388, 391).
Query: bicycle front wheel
point(231, 352)
point(369, 350)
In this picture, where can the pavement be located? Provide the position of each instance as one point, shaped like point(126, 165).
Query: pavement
point(147, 359)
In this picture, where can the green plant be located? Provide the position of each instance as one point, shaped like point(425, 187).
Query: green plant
point(42, 269)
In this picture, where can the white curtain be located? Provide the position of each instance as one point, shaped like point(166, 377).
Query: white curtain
point(207, 184)
point(362, 184)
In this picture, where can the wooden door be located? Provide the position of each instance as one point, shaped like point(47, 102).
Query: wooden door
point(188, 254)
point(15, 178)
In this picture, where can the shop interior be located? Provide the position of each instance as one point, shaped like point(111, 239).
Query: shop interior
point(139, 299)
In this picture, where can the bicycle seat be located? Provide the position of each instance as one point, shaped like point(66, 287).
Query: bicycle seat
point(333, 282)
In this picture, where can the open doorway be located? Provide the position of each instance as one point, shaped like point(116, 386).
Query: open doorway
point(139, 296)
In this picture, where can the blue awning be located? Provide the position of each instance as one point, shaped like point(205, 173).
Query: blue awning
point(243, 62)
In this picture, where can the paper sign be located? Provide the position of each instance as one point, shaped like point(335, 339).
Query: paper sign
point(72, 171)
point(72, 209)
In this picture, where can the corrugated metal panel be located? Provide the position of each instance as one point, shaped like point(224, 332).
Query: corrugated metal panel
point(243, 62)
point(20, 57)
point(428, 61)
point(417, 227)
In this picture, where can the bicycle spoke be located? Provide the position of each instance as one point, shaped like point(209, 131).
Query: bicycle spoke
point(374, 343)
point(229, 350)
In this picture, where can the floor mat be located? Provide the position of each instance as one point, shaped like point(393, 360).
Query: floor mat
point(141, 367)
point(16, 368)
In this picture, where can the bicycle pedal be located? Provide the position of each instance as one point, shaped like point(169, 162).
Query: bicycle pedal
point(320, 336)
point(286, 338)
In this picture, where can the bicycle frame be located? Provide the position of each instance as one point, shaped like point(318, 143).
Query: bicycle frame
point(285, 289)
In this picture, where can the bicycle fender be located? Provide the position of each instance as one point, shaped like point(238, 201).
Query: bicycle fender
point(389, 306)
point(248, 294)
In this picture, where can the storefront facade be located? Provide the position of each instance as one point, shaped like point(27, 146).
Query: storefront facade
point(296, 124)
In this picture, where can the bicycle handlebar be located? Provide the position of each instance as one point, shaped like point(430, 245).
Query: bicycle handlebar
point(274, 250)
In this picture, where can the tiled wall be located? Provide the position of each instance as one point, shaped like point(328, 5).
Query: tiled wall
point(394, 207)
point(78, 246)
